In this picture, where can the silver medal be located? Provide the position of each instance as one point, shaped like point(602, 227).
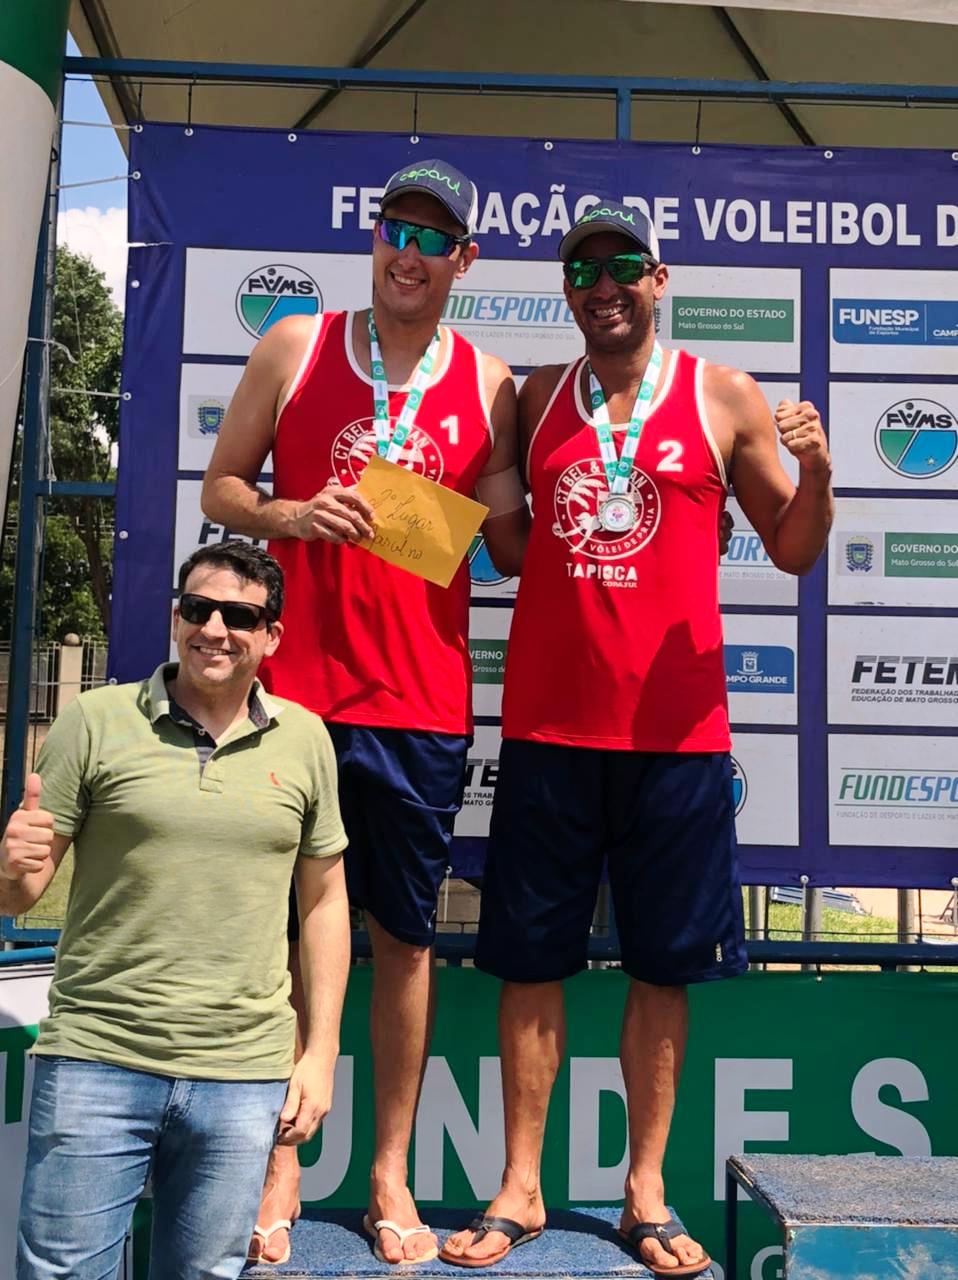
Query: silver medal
point(617, 514)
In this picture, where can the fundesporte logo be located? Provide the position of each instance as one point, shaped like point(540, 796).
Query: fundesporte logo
point(271, 293)
point(917, 438)
point(356, 444)
point(578, 492)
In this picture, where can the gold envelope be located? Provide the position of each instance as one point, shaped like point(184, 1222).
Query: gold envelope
point(420, 525)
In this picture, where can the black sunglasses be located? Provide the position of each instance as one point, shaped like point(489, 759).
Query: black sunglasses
point(624, 268)
point(432, 242)
point(236, 615)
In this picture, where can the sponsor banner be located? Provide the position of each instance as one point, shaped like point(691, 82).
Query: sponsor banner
point(746, 574)
point(515, 310)
point(761, 668)
point(821, 1079)
point(487, 582)
point(744, 317)
point(488, 644)
point(194, 529)
point(205, 393)
point(893, 435)
point(902, 553)
point(891, 321)
point(893, 791)
point(765, 788)
point(887, 671)
point(482, 769)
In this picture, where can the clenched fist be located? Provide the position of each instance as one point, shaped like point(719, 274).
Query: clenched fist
point(28, 839)
point(801, 432)
point(335, 514)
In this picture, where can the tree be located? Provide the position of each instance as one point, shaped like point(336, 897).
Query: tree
point(77, 552)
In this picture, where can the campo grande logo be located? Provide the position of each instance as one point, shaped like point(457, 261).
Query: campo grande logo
point(272, 293)
point(917, 439)
point(739, 786)
point(356, 444)
point(578, 492)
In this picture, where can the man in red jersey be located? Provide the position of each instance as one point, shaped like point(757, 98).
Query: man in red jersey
point(615, 723)
point(380, 654)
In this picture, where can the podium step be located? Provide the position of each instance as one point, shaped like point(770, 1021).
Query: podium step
point(846, 1217)
point(576, 1243)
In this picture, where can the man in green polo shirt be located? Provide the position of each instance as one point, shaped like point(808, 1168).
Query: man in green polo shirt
point(190, 798)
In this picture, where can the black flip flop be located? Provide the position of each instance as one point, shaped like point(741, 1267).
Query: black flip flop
point(480, 1226)
point(664, 1233)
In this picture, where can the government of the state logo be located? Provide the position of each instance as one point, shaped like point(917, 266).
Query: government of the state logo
point(356, 444)
point(209, 416)
point(273, 292)
point(859, 555)
point(579, 491)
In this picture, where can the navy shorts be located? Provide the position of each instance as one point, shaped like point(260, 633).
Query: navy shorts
point(664, 824)
point(399, 793)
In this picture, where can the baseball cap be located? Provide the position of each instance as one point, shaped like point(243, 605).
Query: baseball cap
point(609, 215)
point(443, 182)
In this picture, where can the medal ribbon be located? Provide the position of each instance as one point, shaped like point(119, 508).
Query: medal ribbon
point(618, 467)
point(389, 446)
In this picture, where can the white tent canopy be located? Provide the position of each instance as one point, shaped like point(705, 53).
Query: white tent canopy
point(689, 39)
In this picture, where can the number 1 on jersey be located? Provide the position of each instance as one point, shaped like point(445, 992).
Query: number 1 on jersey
point(451, 424)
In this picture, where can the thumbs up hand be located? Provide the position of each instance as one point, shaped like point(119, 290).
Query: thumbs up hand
point(28, 839)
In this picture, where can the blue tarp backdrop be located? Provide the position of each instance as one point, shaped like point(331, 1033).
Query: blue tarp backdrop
point(828, 276)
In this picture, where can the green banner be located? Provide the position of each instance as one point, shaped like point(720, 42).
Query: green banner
point(32, 39)
point(921, 555)
point(733, 319)
point(488, 660)
point(777, 1062)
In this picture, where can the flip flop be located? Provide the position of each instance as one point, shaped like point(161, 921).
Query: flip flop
point(402, 1234)
point(480, 1226)
point(265, 1233)
point(664, 1232)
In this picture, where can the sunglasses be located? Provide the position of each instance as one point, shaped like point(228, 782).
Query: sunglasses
point(624, 268)
point(432, 243)
point(236, 615)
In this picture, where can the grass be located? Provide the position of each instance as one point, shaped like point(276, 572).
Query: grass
point(785, 924)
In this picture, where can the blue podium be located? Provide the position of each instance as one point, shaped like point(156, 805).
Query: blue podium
point(576, 1243)
point(853, 1217)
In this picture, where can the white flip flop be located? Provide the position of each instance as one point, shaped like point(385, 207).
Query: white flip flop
point(402, 1234)
point(265, 1234)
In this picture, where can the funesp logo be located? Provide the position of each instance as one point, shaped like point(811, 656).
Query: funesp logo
point(895, 321)
point(917, 438)
point(273, 292)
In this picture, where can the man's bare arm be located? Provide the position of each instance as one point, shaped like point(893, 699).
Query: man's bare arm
point(324, 952)
point(792, 523)
point(30, 853)
point(506, 528)
point(230, 493)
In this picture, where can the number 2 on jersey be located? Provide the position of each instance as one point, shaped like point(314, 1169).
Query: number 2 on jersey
point(673, 452)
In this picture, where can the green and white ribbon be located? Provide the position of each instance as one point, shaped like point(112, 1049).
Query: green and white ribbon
point(618, 467)
point(389, 445)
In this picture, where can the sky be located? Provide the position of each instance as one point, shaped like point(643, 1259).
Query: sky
point(92, 218)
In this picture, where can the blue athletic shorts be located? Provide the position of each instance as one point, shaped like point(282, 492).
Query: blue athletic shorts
point(399, 793)
point(664, 824)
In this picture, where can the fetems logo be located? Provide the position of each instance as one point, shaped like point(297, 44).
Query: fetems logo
point(273, 292)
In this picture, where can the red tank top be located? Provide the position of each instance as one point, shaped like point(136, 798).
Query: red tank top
point(366, 643)
point(617, 637)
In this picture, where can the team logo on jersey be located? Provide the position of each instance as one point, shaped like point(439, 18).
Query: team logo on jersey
point(356, 444)
point(580, 490)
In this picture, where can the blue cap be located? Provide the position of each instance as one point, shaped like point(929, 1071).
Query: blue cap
point(609, 215)
point(444, 183)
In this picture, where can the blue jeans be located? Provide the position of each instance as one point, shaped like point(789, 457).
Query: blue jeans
point(97, 1132)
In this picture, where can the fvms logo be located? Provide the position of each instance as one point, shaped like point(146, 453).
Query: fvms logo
point(739, 786)
point(917, 439)
point(273, 292)
point(481, 569)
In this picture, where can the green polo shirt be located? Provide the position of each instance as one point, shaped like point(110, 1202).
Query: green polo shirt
point(173, 954)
